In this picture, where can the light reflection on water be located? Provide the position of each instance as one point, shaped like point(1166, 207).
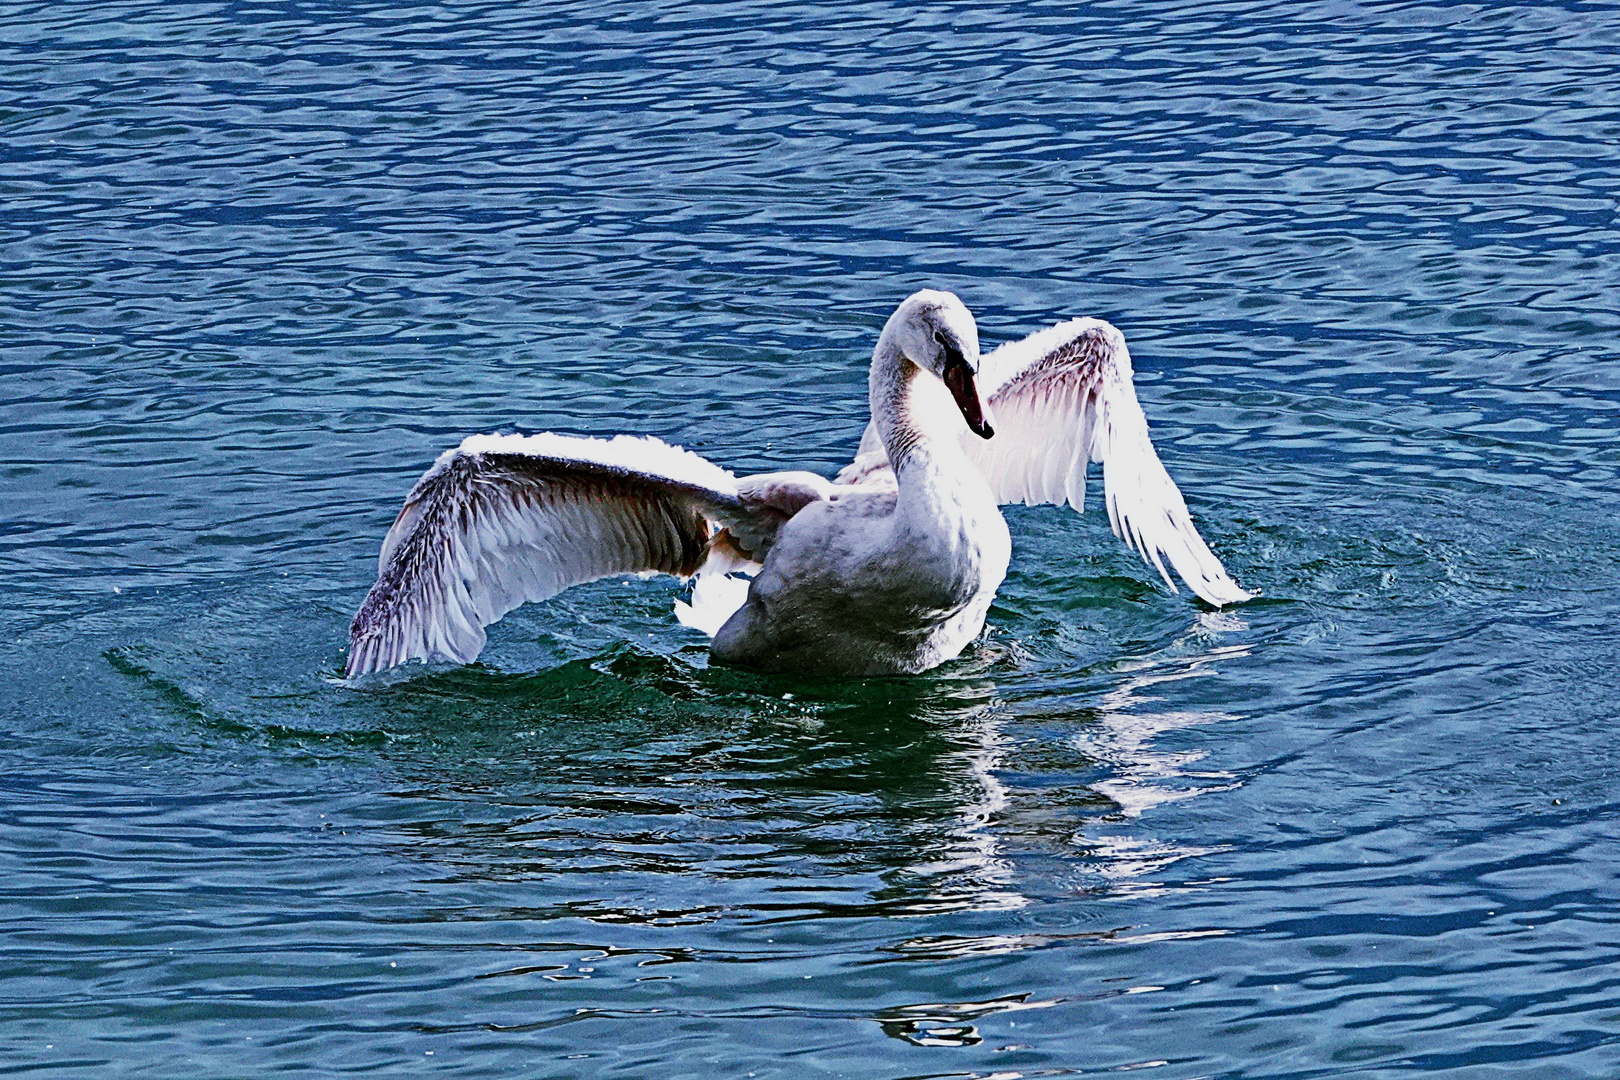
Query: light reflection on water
point(1127, 732)
point(260, 263)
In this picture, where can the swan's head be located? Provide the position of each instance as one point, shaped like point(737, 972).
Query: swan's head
point(936, 332)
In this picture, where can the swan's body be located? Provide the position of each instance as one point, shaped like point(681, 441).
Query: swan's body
point(872, 580)
point(888, 570)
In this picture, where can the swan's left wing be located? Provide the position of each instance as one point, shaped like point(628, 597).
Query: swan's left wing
point(1063, 398)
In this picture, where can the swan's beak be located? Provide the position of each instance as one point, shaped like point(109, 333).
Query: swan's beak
point(959, 380)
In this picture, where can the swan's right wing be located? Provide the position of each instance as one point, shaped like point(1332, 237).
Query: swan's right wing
point(1061, 399)
point(505, 519)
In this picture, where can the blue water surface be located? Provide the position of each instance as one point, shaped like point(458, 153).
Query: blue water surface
point(261, 260)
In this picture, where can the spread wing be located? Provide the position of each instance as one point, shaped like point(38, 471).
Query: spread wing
point(505, 519)
point(1060, 399)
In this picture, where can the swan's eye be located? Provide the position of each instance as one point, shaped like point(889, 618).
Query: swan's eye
point(949, 352)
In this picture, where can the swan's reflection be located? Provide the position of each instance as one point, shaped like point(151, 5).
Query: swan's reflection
point(904, 796)
point(972, 864)
point(978, 847)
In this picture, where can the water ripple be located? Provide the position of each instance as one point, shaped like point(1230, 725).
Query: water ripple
point(261, 261)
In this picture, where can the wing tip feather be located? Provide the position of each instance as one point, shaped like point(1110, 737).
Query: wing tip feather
point(502, 519)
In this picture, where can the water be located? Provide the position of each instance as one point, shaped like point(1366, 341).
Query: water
point(260, 262)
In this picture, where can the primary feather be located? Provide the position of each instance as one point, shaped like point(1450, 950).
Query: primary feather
point(506, 519)
point(1062, 399)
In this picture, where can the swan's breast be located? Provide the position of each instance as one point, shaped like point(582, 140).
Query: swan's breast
point(954, 527)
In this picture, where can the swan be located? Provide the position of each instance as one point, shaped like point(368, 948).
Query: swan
point(887, 569)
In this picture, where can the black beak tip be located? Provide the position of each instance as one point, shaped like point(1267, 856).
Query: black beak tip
point(984, 431)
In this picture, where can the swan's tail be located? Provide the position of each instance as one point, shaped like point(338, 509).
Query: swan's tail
point(716, 596)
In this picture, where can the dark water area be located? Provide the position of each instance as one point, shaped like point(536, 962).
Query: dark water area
point(261, 262)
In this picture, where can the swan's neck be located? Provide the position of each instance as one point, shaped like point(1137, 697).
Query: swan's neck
point(915, 416)
point(946, 518)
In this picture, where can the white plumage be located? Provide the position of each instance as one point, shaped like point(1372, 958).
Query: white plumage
point(505, 519)
point(889, 569)
point(1063, 399)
